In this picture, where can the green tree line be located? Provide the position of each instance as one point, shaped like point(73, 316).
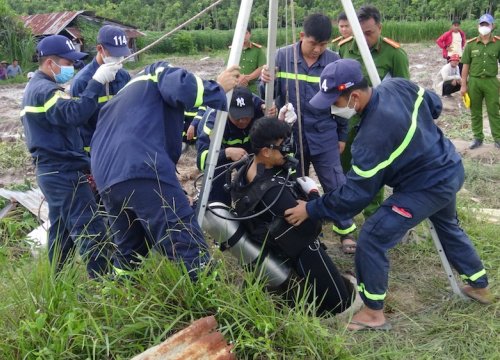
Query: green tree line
point(158, 15)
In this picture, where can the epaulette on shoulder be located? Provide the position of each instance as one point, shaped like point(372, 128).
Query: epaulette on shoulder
point(471, 40)
point(346, 40)
point(336, 39)
point(391, 42)
point(257, 45)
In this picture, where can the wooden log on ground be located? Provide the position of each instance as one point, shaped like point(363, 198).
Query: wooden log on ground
point(199, 341)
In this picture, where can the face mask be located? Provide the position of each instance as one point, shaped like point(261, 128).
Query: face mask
point(112, 59)
point(65, 75)
point(484, 30)
point(344, 112)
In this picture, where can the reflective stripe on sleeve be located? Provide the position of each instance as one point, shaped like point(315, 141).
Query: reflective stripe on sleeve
point(206, 129)
point(153, 78)
point(203, 158)
point(45, 107)
point(237, 141)
point(103, 99)
point(401, 147)
point(376, 297)
point(475, 276)
point(200, 91)
point(302, 77)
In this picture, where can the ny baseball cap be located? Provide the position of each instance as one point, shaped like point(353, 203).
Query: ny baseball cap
point(335, 78)
point(487, 18)
point(60, 46)
point(114, 40)
point(241, 103)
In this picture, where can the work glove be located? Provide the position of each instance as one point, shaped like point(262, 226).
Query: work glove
point(106, 72)
point(307, 184)
point(287, 114)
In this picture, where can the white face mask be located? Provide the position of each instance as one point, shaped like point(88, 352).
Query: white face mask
point(344, 112)
point(484, 30)
point(112, 59)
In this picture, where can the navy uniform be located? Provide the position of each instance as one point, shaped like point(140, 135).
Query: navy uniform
point(112, 46)
point(233, 137)
point(134, 152)
point(51, 120)
point(321, 130)
point(399, 145)
point(391, 61)
point(192, 117)
point(79, 84)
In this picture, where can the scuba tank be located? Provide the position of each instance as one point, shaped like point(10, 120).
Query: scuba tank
point(230, 234)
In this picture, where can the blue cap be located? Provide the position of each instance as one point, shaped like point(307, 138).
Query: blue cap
point(60, 46)
point(335, 78)
point(114, 40)
point(487, 18)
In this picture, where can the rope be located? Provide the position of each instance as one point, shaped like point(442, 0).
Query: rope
point(172, 31)
point(297, 93)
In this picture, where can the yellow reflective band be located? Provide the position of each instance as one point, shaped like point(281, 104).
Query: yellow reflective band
point(153, 78)
point(86, 149)
point(206, 129)
point(202, 108)
point(45, 107)
point(200, 91)
point(302, 77)
point(103, 99)
point(376, 297)
point(236, 141)
point(203, 158)
point(198, 117)
point(340, 231)
point(402, 147)
point(475, 276)
point(187, 113)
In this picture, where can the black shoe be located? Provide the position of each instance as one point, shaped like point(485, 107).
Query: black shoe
point(475, 144)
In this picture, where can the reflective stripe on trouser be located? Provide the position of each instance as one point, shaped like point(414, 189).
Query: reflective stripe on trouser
point(487, 89)
point(386, 228)
point(330, 175)
point(147, 214)
point(74, 220)
point(345, 159)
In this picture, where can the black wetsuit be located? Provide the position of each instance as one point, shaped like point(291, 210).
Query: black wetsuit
point(299, 244)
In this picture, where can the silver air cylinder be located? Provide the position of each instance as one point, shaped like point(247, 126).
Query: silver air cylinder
point(231, 235)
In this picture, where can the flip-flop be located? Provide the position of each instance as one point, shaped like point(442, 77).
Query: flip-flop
point(366, 327)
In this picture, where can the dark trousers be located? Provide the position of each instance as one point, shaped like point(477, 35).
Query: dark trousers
point(331, 176)
point(330, 290)
point(384, 229)
point(74, 221)
point(449, 88)
point(149, 214)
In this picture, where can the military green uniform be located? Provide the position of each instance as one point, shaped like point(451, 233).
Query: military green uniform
point(344, 45)
point(483, 83)
point(390, 61)
point(252, 58)
point(334, 46)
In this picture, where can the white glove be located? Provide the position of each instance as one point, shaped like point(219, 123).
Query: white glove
point(287, 114)
point(106, 72)
point(307, 184)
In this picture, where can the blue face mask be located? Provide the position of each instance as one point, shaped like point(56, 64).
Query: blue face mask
point(65, 75)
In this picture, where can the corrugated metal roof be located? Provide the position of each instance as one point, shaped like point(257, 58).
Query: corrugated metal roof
point(49, 24)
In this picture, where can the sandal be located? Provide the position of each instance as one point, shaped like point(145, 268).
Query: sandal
point(348, 244)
